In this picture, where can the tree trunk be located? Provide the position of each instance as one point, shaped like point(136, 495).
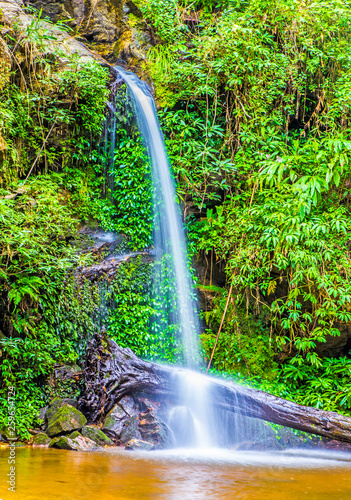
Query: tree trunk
point(112, 372)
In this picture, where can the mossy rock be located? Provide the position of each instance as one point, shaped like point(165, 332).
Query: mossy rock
point(53, 407)
point(41, 439)
point(96, 435)
point(115, 420)
point(56, 404)
point(74, 435)
point(65, 420)
point(62, 443)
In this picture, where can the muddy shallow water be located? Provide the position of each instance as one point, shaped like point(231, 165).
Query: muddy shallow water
point(43, 474)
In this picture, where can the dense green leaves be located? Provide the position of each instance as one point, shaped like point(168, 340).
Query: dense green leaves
point(257, 113)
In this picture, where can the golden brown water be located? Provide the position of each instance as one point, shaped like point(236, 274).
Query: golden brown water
point(44, 474)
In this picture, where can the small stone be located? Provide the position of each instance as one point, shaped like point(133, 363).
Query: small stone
point(139, 444)
point(96, 435)
point(65, 420)
point(41, 439)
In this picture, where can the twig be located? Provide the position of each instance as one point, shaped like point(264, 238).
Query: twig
point(220, 327)
point(41, 150)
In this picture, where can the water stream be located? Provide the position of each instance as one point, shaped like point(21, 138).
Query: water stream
point(172, 267)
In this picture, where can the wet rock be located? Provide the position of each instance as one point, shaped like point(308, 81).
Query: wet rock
point(64, 420)
point(41, 439)
point(96, 435)
point(152, 427)
point(130, 430)
point(129, 406)
point(114, 421)
point(138, 444)
point(120, 417)
point(79, 443)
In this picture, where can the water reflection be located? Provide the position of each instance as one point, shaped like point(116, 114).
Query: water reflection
point(44, 474)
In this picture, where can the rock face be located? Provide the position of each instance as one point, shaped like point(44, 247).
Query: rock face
point(113, 28)
point(120, 417)
point(11, 11)
point(65, 419)
point(98, 19)
point(152, 427)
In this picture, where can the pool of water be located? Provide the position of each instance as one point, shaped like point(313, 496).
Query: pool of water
point(43, 474)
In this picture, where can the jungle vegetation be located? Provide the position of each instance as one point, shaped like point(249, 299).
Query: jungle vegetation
point(254, 100)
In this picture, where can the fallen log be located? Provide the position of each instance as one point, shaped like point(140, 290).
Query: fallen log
point(112, 372)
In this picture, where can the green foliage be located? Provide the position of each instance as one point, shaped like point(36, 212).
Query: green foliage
point(194, 147)
point(45, 314)
point(51, 119)
point(132, 319)
point(244, 345)
point(132, 193)
point(326, 387)
point(257, 116)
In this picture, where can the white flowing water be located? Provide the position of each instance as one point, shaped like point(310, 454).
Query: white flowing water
point(190, 421)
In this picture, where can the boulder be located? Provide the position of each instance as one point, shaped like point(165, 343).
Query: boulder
point(130, 430)
point(129, 406)
point(11, 11)
point(96, 435)
point(152, 427)
point(139, 444)
point(64, 420)
point(41, 439)
point(55, 405)
point(122, 421)
point(79, 443)
point(114, 421)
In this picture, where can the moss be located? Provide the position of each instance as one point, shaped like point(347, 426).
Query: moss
point(66, 419)
point(96, 435)
point(74, 435)
point(41, 439)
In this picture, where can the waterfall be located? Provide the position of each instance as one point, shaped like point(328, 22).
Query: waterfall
point(190, 421)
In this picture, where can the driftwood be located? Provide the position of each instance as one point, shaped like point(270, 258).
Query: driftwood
point(112, 372)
